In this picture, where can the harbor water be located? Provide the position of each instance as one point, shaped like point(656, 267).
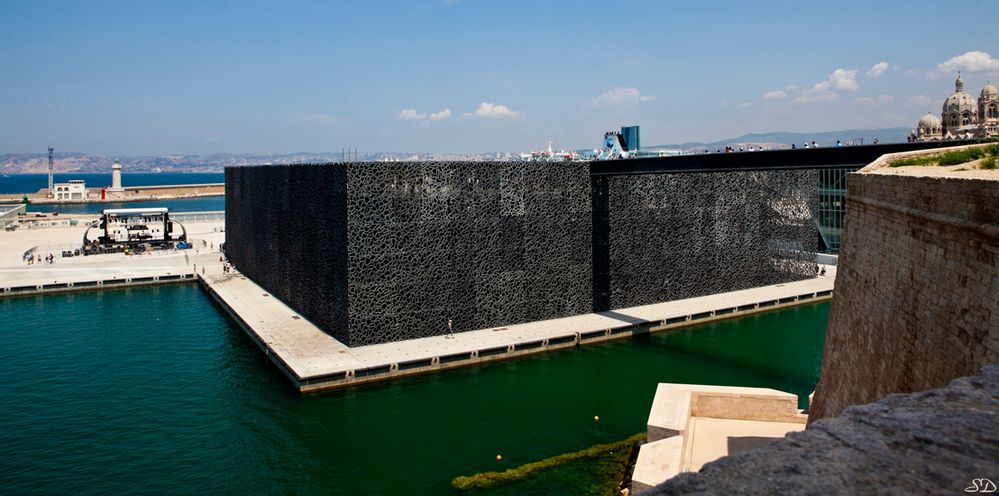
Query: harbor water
point(153, 391)
point(31, 183)
point(202, 204)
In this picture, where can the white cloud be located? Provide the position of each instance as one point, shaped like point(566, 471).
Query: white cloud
point(878, 69)
point(969, 62)
point(844, 80)
point(493, 111)
point(880, 100)
point(743, 105)
point(920, 100)
point(413, 115)
point(439, 116)
point(840, 79)
point(618, 98)
point(818, 93)
point(774, 95)
point(791, 87)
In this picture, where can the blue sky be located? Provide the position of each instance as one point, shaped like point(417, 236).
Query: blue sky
point(134, 78)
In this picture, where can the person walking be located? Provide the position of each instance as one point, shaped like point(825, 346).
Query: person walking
point(450, 329)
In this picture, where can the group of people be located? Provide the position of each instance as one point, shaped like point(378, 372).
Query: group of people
point(33, 259)
point(731, 149)
point(819, 271)
point(226, 266)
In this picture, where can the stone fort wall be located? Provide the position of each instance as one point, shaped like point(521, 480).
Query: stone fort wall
point(917, 289)
point(378, 252)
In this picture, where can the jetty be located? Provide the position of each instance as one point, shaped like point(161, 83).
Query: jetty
point(314, 361)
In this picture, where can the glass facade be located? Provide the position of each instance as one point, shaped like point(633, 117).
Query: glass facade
point(832, 206)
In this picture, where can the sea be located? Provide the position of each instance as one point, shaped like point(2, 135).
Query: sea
point(153, 390)
point(31, 183)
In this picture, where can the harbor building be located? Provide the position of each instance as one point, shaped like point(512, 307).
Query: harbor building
point(74, 189)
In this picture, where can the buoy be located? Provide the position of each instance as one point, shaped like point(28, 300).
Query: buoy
point(596, 418)
point(499, 457)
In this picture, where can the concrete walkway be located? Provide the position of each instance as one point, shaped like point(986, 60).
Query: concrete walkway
point(313, 360)
point(16, 277)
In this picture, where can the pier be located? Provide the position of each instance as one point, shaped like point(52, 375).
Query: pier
point(127, 194)
point(314, 361)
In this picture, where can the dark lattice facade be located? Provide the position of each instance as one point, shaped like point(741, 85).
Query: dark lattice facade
point(379, 252)
point(408, 246)
point(662, 237)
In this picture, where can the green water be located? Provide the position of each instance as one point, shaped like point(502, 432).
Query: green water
point(153, 391)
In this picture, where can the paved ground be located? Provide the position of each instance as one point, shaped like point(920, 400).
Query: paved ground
point(310, 353)
point(15, 272)
point(712, 438)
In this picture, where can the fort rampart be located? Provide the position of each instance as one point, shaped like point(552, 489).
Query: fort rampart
point(917, 288)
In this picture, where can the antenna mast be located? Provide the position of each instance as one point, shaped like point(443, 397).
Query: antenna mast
point(51, 157)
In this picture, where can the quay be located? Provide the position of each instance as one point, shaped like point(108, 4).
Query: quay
point(314, 361)
point(127, 194)
point(106, 271)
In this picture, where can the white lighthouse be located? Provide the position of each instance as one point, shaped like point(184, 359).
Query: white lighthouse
point(116, 178)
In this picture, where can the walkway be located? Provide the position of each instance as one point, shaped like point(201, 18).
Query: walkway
point(313, 360)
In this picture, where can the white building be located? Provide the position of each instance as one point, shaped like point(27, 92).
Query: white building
point(74, 189)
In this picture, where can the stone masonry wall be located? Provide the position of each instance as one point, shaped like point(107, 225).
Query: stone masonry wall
point(917, 289)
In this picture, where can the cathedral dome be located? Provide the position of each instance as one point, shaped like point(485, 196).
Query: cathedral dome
point(959, 101)
point(960, 111)
point(929, 122)
point(989, 92)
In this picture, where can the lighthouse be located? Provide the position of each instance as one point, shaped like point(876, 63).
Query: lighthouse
point(116, 178)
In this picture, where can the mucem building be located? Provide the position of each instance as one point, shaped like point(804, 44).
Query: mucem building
point(378, 252)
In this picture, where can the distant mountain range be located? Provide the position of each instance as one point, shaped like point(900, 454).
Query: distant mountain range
point(88, 163)
point(782, 139)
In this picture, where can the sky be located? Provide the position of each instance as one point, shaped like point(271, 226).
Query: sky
point(464, 76)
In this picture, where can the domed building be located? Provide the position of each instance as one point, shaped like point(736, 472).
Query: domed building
point(929, 128)
point(988, 111)
point(962, 117)
point(959, 114)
